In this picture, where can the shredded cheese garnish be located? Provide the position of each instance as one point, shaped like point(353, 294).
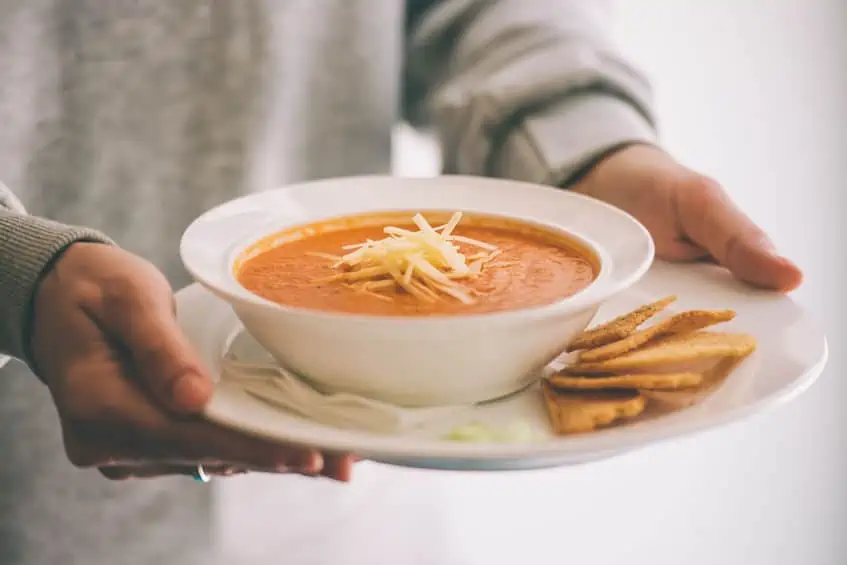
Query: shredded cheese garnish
point(427, 263)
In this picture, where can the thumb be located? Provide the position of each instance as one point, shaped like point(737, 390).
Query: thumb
point(163, 360)
point(715, 223)
point(757, 262)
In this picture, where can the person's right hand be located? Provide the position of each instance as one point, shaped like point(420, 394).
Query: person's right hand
point(127, 385)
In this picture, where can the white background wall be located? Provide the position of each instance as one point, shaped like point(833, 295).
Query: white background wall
point(754, 92)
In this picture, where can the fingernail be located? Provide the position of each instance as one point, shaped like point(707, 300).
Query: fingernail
point(191, 391)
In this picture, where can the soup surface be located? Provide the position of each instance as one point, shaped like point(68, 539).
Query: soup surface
point(530, 269)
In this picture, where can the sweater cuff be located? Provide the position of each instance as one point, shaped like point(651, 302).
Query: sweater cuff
point(554, 144)
point(27, 247)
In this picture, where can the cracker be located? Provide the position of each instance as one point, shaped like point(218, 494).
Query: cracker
point(585, 411)
point(619, 328)
point(712, 379)
point(640, 381)
point(681, 323)
point(683, 348)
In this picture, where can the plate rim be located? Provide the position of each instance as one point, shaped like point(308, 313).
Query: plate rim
point(462, 455)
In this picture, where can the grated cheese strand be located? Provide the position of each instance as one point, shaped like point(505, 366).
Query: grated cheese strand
point(426, 263)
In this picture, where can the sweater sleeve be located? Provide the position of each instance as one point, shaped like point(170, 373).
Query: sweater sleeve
point(27, 246)
point(527, 89)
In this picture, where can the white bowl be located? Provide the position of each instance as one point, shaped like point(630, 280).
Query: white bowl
point(416, 361)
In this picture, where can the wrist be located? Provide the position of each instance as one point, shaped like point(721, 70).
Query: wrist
point(27, 246)
point(622, 175)
point(55, 277)
point(595, 161)
point(557, 142)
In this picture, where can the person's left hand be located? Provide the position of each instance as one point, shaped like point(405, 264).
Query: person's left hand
point(689, 215)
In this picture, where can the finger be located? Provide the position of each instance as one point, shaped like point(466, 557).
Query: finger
point(165, 438)
point(117, 422)
point(714, 222)
point(162, 358)
point(122, 472)
point(126, 472)
point(204, 440)
point(338, 467)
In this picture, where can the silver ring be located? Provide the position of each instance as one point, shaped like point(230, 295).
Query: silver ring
point(200, 475)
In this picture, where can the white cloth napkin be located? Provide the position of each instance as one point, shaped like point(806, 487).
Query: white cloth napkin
point(256, 371)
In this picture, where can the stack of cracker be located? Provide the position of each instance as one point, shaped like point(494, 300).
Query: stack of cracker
point(619, 367)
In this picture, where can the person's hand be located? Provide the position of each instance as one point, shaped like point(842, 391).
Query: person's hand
point(127, 385)
point(690, 216)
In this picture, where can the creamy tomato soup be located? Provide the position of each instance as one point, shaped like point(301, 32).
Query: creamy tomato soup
point(476, 265)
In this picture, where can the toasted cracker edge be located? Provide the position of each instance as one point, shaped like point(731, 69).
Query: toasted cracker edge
point(638, 381)
point(683, 322)
point(674, 349)
point(618, 328)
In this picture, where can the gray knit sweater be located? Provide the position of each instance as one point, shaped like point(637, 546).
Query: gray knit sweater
point(131, 117)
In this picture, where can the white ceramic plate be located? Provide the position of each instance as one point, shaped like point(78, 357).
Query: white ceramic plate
point(791, 355)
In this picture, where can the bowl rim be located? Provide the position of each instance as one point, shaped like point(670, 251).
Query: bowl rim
point(602, 257)
point(598, 291)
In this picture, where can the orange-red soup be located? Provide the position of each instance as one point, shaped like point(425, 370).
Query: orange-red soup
point(538, 268)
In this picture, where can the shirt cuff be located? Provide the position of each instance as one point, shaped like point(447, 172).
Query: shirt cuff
point(554, 144)
point(28, 245)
